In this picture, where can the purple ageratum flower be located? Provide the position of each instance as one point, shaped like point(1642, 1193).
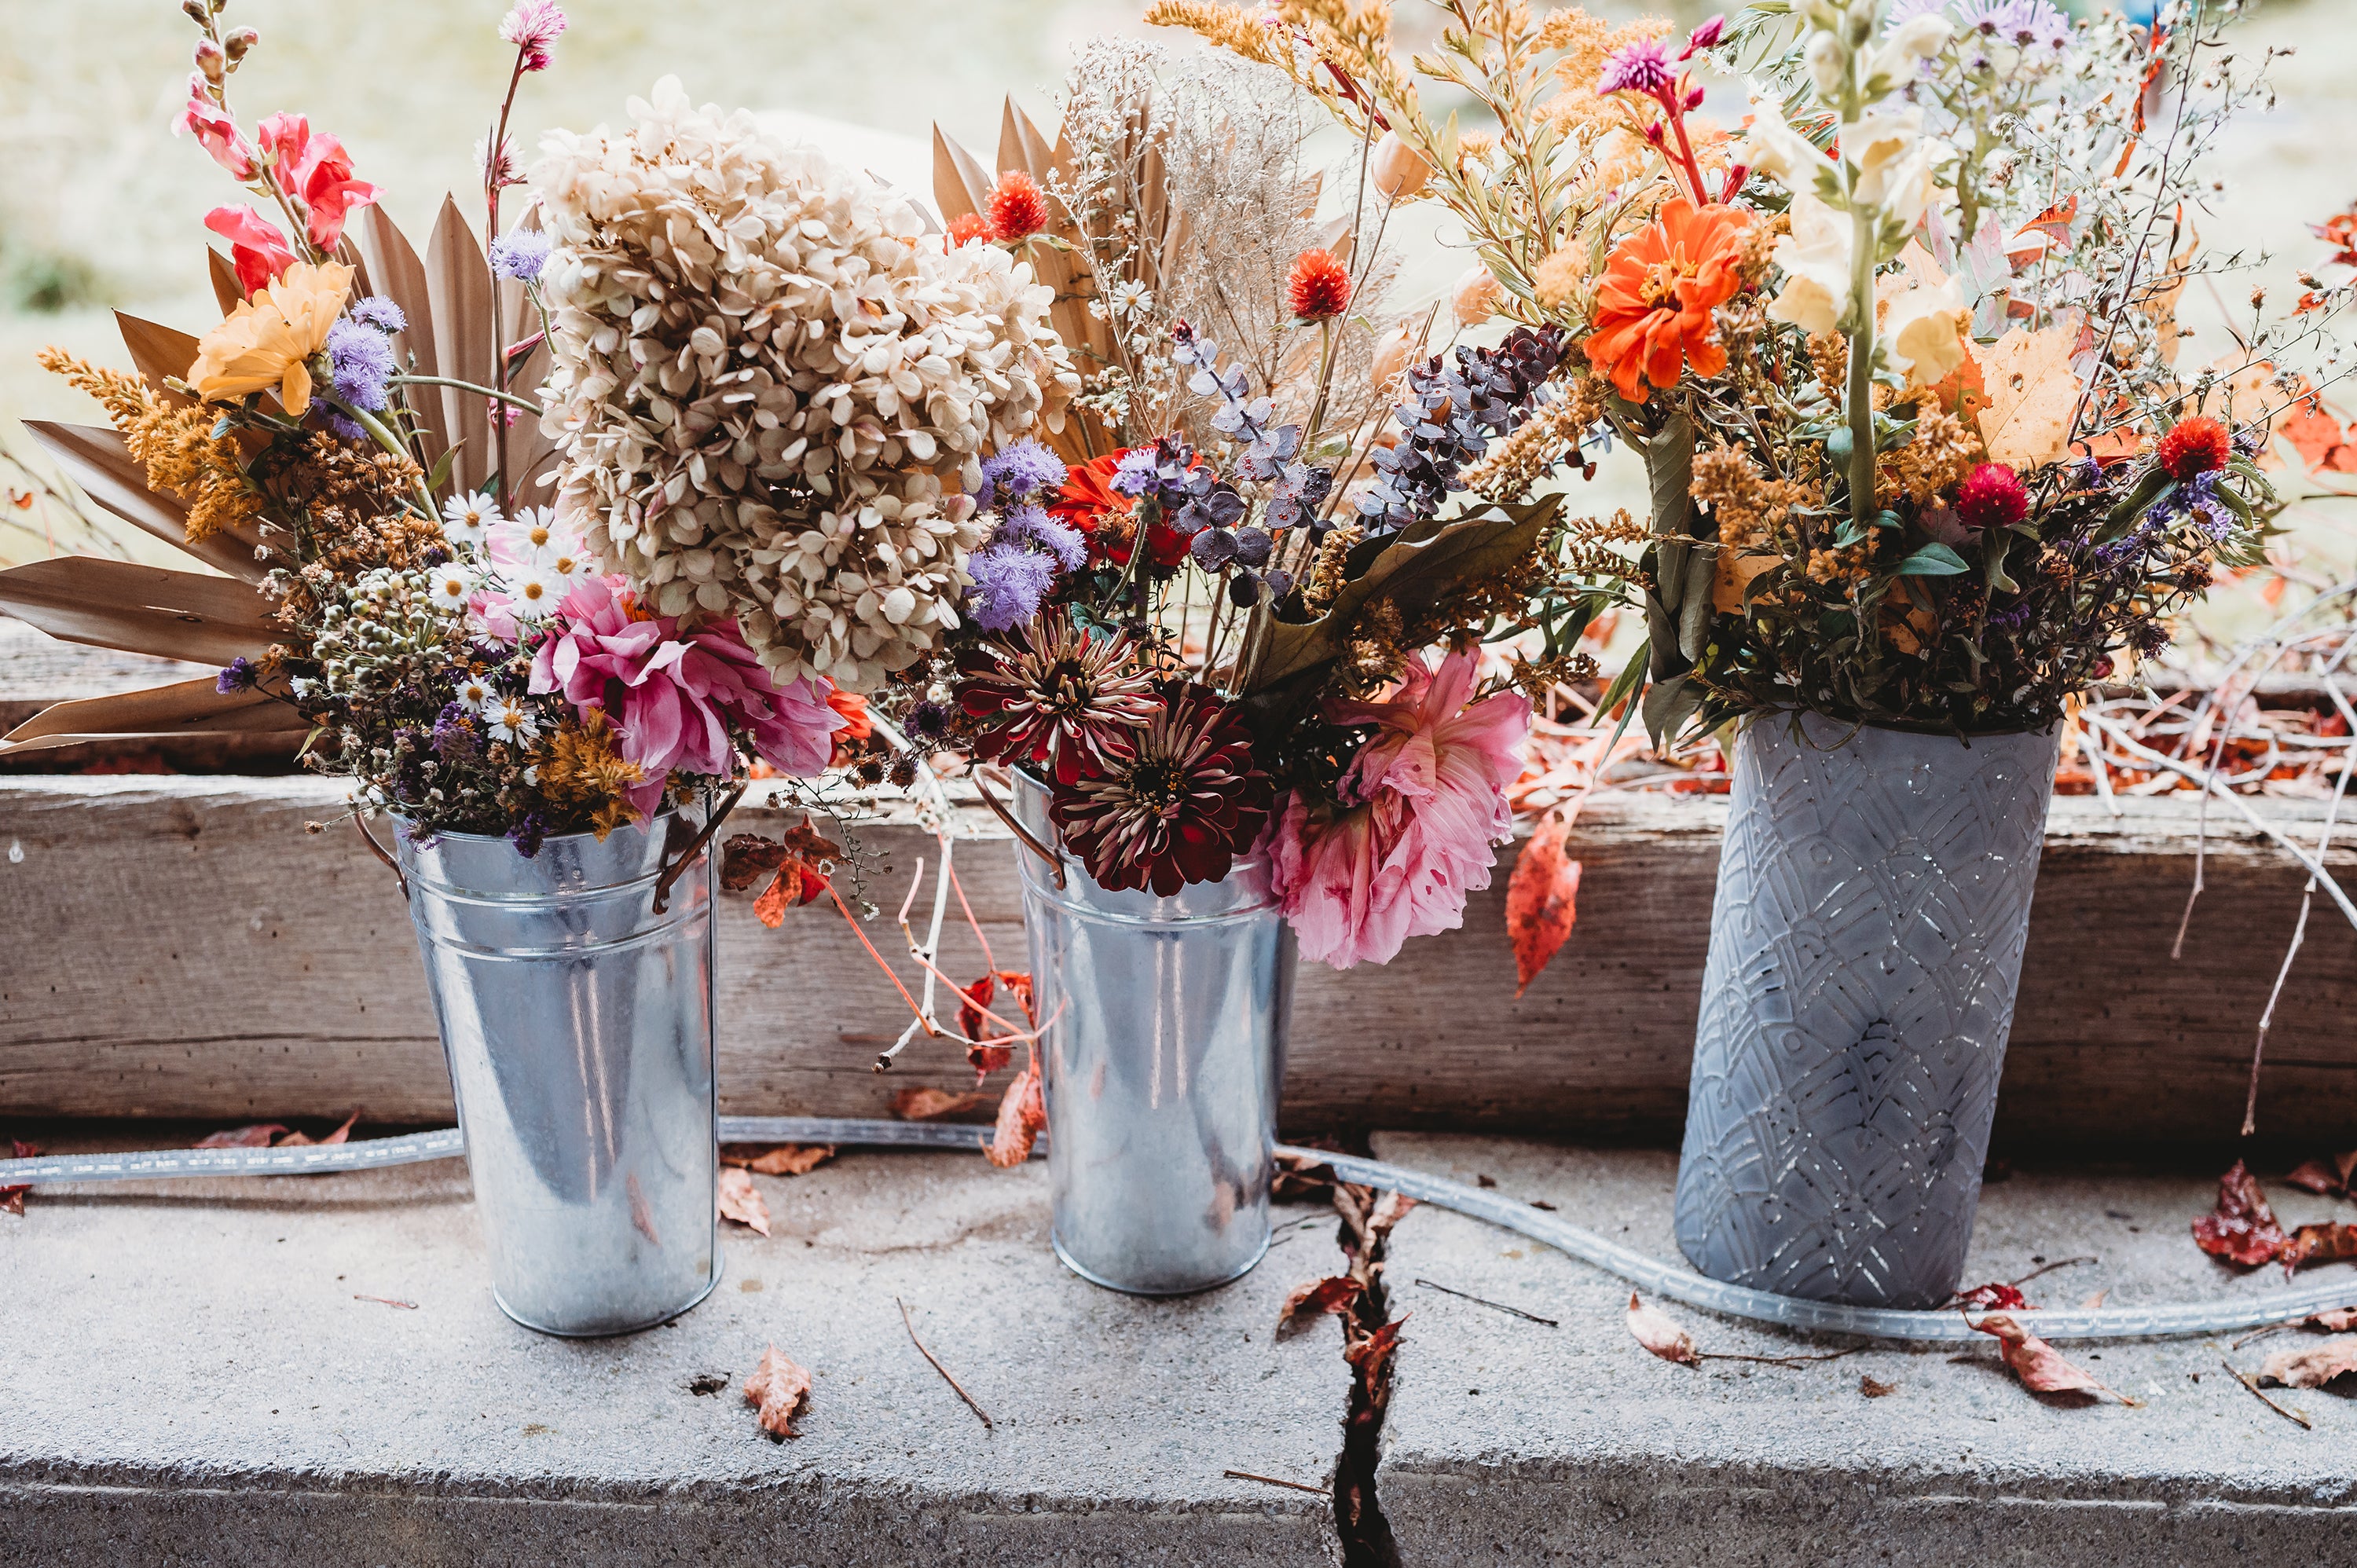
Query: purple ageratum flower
point(239, 675)
point(361, 363)
point(1021, 469)
point(533, 27)
point(456, 736)
point(1009, 582)
point(380, 312)
point(1137, 472)
point(529, 830)
point(1641, 67)
point(1028, 524)
point(519, 254)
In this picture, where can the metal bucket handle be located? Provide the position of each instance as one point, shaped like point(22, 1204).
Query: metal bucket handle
point(672, 873)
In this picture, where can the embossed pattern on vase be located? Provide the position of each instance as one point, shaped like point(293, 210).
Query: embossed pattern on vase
point(1874, 897)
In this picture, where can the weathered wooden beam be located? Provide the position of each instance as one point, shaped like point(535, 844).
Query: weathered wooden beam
point(181, 947)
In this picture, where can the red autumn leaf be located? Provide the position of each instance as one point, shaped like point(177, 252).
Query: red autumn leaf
point(1390, 1209)
point(1542, 900)
point(1370, 1355)
point(1336, 1293)
point(777, 1159)
point(1656, 1333)
point(2040, 1367)
point(1993, 1297)
point(341, 1134)
point(2311, 429)
point(776, 1389)
point(2241, 1229)
point(925, 1104)
point(745, 858)
point(741, 1200)
point(2312, 1365)
point(2314, 1175)
point(256, 1136)
point(2319, 1244)
point(1022, 1114)
point(972, 1000)
point(12, 1199)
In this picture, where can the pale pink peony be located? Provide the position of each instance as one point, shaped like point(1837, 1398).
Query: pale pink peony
point(1422, 805)
point(674, 698)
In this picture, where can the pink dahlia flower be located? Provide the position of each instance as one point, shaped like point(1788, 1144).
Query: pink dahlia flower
point(674, 698)
point(1422, 807)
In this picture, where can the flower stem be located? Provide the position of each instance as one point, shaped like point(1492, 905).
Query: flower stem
point(463, 386)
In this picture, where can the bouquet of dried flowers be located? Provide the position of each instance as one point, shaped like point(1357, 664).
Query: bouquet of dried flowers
point(1902, 359)
point(345, 440)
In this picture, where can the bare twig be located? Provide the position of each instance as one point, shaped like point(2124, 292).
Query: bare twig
point(2048, 1268)
point(386, 1301)
point(1494, 1305)
point(2259, 1393)
point(954, 1386)
point(1274, 1481)
point(1778, 1360)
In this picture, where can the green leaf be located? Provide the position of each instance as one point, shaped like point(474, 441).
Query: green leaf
point(1934, 560)
point(1695, 606)
point(1631, 673)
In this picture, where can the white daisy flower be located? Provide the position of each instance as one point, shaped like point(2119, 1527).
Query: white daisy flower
point(534, 593)
point(474, 693)
point(469, 519)
point(536, 534)
point(511, 720)
point(1131, 295)
point(451, 585)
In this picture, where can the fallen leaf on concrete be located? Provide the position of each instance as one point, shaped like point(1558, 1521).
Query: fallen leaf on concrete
point(2315, 1176)
point(1656, 1333)
point(341, 1134)
point(256, 1136)
point(2040, 1367)
point(1022, 1114)
point(2241, 1229)
point(1992, 1297)
point(2312, 1365)
point(1875, 1387)
point(777, 1159)
point(1390, 1209)
point(1336, 1293)
point(2319, 1244)
point(12, 1199)
point(2339, 1320)
point(932, 1104)
point(741, 1200)
point(1542, 900)
point(777, 1389)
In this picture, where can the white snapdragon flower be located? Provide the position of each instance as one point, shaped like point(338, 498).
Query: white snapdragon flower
point(1828, 63)
point(1774, 149)
point(1815, 257)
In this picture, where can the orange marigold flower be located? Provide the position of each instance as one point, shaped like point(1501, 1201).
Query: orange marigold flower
point(1017, 207)
point(1654, 300)
point(966, 228)
point(2194, 447)
point(1320, 287)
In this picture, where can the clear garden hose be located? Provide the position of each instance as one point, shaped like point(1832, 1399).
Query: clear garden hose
point(2157, 1320)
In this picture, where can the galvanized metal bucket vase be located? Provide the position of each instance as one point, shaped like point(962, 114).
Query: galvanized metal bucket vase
point(1873, 902)
point(1163, 1064)
point(574, 991)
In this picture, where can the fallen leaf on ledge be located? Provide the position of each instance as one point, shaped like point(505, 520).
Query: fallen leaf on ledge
point(1656, 1333)
point(2040, 1367)
point(1874, 1388)
point(256, 1136)
point(2094, 1301)
point(1992, 1297)
point(926, 1104)
point(777, 1159)
point(2312, 1365)
point(1022, 1115)
point(2339, 1320)
point(1335, 1293)
point(741, 1200)
point(341, 1134)
point(1542, 900)
point(2241, 1229)
point(777, 1389)
point(1390, 1209)
point(2315, 1176)
point(12, 1199)
point(2319, 1244)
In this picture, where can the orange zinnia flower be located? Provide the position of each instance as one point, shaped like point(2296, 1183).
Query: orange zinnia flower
point(1653, 303)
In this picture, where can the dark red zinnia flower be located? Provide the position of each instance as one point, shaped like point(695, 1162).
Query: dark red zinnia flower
point(1992, 497)
point(1017, 207)
point(1051, 692)
point(2194, 447)
point(1177, 806)
point(1320, 287)
point(966, 228)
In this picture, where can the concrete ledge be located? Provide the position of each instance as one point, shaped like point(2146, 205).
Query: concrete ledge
point(190, 1379)
point(1508, 1442)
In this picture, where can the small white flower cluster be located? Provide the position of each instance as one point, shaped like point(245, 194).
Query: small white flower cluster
point(772, 390)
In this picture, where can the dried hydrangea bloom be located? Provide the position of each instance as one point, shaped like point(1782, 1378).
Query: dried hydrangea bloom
point(773, 390)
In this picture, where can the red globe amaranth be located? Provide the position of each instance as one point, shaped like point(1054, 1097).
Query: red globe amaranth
point(1017, 207)
point(966, 228)
point(2194, 447)
point(1320, 287)
point(1992, 497)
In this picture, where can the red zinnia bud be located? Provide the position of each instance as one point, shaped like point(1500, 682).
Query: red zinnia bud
point(2195, 446)
point(1991, 497)
point(966, 228)
point(1320, 287)
point(1016, 208)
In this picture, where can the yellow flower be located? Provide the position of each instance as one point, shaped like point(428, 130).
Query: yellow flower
point(267, 340)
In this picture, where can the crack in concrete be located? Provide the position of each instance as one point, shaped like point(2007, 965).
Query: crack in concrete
point(1369, 1334)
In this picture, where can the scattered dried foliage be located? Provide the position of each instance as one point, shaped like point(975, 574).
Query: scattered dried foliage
point(741, 1201)
point(1335, 1294)
point(777, 1159)
point(2312, 1365)
point(1656, 1333)
point(777, 1389)
point(2040, 1367)
point(1541, 899)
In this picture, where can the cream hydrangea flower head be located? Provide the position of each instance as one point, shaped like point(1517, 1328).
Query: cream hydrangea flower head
point(772, 390)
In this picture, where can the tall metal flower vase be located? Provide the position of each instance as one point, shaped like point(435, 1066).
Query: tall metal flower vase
point(1873, 903)
point(574, 991)
point(1163, 1063)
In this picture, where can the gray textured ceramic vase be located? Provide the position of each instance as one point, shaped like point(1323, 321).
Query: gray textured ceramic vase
point(1873, 902)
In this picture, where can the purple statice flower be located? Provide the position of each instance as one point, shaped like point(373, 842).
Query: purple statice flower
point(361, 363)
point(526, 834)
point(457, 737)
point(380, 312)
point(1028, 524)
point(1009, 582)
point(1641, 67)
point(519, 254)
point(1022, 469)
point(533, 27)
point(239, 675)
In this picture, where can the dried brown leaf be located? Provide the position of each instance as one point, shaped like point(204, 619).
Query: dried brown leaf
point(777, 1159)
point(1542, 900)
point(1335, 1293)
point(777, 1389)
point(256, 1136)
point(2039, 1366)
point(12, 1199)
point(1390, 1209)
point(1022, 1115)
point(340, 1136)
point(927, 1104)
point(2319, 1244)
point(2312, 1365)
point(2339, 1320)
point(2032, 391)
point(2241, 1229)
point(1875, 1389)
point(1656, 1333)
point(2315, 1176)
point(741, 1200)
